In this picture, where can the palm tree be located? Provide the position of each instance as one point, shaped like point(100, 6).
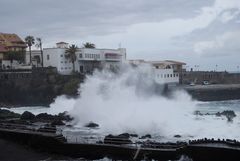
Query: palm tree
point(89, 45)
point(30, 41)
point(39, 45)
point(71, 54)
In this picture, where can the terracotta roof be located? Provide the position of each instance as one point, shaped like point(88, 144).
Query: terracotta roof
point(2, 48)
point(12, 40)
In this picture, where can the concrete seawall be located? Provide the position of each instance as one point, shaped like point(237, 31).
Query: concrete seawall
point(215, 92)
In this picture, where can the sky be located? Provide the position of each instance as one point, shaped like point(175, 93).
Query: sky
point(205, 34)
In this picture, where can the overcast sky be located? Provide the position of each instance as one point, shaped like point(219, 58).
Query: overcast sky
point(203, 33)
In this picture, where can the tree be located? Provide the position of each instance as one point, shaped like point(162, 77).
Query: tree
point(14, 55)
point(39, 45)
point(70, 54)
point(30, 41)
point(89, 45)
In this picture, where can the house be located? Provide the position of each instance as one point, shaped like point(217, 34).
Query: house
point(10, 42)
point(88, 59)
point(163, 72)
point(36, 58)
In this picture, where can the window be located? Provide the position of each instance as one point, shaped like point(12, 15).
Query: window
point(48, 57)
point(65, 61)
point(61, 55)
point(61, 61)
point(170, 75)
point(80, 55)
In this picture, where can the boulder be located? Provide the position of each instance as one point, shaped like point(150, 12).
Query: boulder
point(64, 116)
point(57, 122)
point(147, 136)
point(92, 125)
point(27, 116)
point(45, 117)
point(6, 114)
point(229, 114)
point(177, 136)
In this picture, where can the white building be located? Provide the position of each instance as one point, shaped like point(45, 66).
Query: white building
point(87, 58)
point(36, 58)
point(164, 72)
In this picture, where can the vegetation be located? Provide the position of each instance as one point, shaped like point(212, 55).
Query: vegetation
point(70, 88)
point(39, 45)
point(30, 41)
point(89, 45)
point(71, 54)
point(15, 55)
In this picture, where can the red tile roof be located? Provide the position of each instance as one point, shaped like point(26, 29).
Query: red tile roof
point(12, 40)
point(2, 48)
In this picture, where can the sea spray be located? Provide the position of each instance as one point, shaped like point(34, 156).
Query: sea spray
point(129, 102)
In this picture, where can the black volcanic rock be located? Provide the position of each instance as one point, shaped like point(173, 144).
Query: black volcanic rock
point(146, 136)
point(229, 114)
point(27, 116)
point(92, 125)
point(117, 139)
point(64, 116)
point(6, 114)
point(124, 135)
point(45, 116)
point(177, 136)
point(57, 122)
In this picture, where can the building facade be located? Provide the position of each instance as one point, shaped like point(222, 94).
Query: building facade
point(8, 43)
point(163, 72)
point(87, 60)
point(36, 58)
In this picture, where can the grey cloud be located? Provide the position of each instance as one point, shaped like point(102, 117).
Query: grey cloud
point(81, 18)
point(213, 34)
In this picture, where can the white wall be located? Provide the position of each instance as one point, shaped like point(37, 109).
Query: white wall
point(165, 76)
point(64, 66)
point(55, 57)
point(34, 62)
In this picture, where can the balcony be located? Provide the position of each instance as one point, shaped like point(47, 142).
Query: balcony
point(113, 56)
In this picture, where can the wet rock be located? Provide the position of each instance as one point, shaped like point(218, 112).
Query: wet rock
point(229, 114)
point(148, 136)
point(198, 113)
point(117, 139)
point(92, 125)
point(45, 117)
point(57, 122)
point(177, 136)
point(64, 116)
point(27, 116)
point(134, 135)
point(124, 135)
point(6, 114)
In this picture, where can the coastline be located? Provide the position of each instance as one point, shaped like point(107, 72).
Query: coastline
point(214, 92)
